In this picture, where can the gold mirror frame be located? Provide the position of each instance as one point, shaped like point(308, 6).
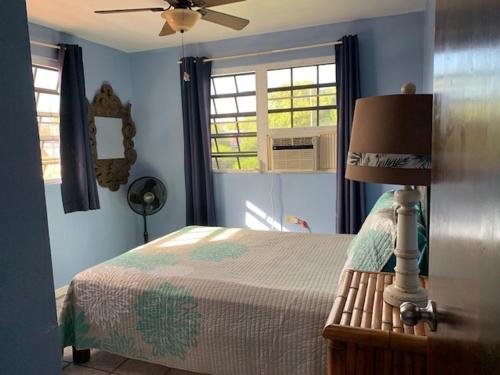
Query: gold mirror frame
point(111, 173)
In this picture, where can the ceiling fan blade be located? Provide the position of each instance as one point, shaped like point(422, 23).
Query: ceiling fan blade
point(213, 3)
point(166, 30)
point(223, 19)
point(111, 11)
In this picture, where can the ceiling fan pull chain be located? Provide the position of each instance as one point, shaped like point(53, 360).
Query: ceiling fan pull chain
point(186, 76)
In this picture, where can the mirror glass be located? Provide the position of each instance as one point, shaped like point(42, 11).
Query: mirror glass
point(109, 138)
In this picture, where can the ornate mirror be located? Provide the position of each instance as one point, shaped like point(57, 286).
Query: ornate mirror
point(111, 134)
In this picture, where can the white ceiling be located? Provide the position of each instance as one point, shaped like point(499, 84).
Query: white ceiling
point(139, 31)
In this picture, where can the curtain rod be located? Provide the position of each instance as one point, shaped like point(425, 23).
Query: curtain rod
point(43, 44)
point(268, 52)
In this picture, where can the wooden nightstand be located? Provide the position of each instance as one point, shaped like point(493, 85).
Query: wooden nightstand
point(365, 335)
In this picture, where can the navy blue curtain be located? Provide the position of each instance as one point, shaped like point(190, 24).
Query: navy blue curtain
point(78, 187)
point(350, 194)
point(195, 88)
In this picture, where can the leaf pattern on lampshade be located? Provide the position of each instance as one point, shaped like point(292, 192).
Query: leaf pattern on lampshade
point(403, 161)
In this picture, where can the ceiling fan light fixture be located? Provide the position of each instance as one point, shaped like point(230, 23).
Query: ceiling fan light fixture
point(181, 19)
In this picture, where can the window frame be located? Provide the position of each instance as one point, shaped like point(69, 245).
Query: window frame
point(36, 91)
point(236, 115)
point(261, 92)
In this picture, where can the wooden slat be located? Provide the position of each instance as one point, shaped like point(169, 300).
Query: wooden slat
point(377, 303)
point(397, 363)
point(341, 298)
point(419, 329)
point(409, 330)
point(419, 364)
point(360, 300)
point(366, 320)
point(386, 308)
point(397, 325)
point(337, 354)
point(369, 367)
point(351, 359)
point(407, 363)
point(351, 298)
point(360, 359)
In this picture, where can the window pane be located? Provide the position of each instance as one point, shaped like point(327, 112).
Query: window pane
point(243, 120)
point(299, 100)
point(247, 103)
point(226, 127)
point(279, 104)
point(214, 163)
point(306, 75)
point(212, 89)
point(303, 119)
point(212, 108)
point(225, 105)
point(48, 127)
point(305, 98)
point(228, 163)
point(327, 100)
point(52, 171)
point(246, 82)
point(224, 85)
point(46, 79)
point(249, 162)
point(279, 100)
point(47, 103)
point(247, 124)
point(328, 95)
point(227, 144)
point(328, 117)
point(280, 120)
point(49, 149)
point(47, 106)
point(278, 78)
point(248, 144)
point(327, 73)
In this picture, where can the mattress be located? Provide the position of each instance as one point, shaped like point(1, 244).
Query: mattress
point(219, 301)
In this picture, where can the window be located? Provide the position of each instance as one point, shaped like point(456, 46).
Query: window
point(233, 122)
point(302, 97)
point(46, 82)
point(255, 105)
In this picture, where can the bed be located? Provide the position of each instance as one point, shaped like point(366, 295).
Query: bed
point(219, 301)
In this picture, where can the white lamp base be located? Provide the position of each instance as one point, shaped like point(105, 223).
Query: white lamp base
point(395, 297)
point(406, 286)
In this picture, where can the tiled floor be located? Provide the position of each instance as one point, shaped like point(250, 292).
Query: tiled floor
point(102, 363)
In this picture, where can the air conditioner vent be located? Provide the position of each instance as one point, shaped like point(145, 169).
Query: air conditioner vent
point(302, 152)
point(294, 154)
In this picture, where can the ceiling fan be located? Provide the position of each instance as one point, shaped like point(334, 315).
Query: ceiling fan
point(180, 16)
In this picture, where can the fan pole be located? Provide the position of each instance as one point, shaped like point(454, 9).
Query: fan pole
point(146, 234)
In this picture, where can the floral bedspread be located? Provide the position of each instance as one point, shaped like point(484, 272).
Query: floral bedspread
point(212, 300)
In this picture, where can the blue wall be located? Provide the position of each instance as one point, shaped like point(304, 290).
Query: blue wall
point(80, 240)
point(28, 329)
point(391, 52)
point(428, 63)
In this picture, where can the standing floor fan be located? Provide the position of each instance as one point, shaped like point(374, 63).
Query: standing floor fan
point(146, 196)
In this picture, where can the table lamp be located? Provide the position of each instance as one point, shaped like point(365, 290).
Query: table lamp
point(391, 144)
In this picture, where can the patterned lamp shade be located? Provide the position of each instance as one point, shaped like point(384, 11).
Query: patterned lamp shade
point(391, 140)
